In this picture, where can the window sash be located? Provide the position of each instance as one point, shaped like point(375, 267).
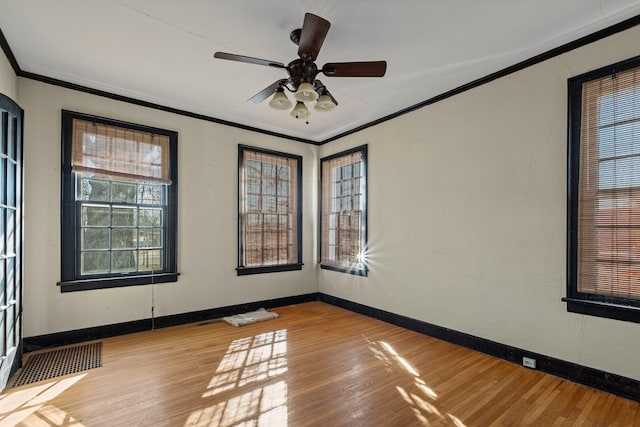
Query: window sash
point(120, 152)
point(343, 214)
point(147, 232)
point(608, 259)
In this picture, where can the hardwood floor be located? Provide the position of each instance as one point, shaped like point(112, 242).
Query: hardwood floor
point(316, 365)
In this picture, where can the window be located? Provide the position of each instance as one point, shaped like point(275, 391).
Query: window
point(270, 215)
point(343, 208)
point(119, 203)
point(604, 193)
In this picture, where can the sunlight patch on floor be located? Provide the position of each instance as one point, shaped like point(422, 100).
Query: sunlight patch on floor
point(422, 401)
point(29, 406)
point(247, 372)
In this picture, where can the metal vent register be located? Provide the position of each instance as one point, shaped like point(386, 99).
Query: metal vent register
point(56, 363)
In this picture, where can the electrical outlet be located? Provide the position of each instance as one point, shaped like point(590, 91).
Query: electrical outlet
point(529, 362)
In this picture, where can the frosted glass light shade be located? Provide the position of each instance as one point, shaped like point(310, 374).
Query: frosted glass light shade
point(300, 111)
point(324, 103)
point(306, 93)
point(280, 101)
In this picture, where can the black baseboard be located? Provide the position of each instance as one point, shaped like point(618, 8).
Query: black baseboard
point(87, 334)
point(612, 383)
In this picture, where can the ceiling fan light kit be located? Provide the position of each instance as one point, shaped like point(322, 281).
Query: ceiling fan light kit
point(302, 72)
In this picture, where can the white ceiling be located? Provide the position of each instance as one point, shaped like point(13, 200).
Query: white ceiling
point(161, 51)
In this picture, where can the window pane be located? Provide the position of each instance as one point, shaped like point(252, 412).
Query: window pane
point(123, 261)
point(619, 173)
point(268, 187)
point(283, 204)
point(11, 146)
point(11, 278)
point(150, 217)
point(346, 172)
point(94, 190)
point(3, 179)
point(95, 262)
point(619, 140)
point(253, 186)
point(622, 105)
point(283, 188)
point(254, 220)
point(150, 194)
point(10, 332)
point(124, 238)
point(123, 216)
point(268, 204)
point(3, 283)
point(346, 203)
point(2, 230)
point(150, 260)
point(11, 231)
point(95, 238)
point(11, 183)
point(93, 215)
point(253, 168)
point(253, 203)
point(268, 170)
point(150, 238)
point(123, 192)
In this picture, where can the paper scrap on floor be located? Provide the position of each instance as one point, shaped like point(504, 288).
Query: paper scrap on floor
point(250, 317)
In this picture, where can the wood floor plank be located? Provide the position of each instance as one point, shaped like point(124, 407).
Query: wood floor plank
point(315, 365)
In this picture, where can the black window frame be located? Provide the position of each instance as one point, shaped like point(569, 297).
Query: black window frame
point(578, 302)
point(364, 271)
point(71, 278)
point(241, 269)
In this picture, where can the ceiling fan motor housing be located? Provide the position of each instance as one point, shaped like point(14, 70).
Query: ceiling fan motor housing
point(300, 71)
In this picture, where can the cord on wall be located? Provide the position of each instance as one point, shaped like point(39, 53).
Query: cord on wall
point(153, 302)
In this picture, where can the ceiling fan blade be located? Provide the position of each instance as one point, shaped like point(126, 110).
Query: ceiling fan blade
point(318, 85)
point(355, 69)
point(248, 59)
point(267, 91)
point(314, 30)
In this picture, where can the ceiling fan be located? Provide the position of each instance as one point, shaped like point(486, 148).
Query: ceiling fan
point(303, 71)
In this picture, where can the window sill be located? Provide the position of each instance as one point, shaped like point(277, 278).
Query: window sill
point(116, 282)
point(356, 272)
point(603, 309)
point(245, 271)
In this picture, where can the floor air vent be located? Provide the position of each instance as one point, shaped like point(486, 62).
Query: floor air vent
point(56, 363)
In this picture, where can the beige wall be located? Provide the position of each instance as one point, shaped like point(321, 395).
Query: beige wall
point(8, 80)
point(467, 216)
point(207, 229)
